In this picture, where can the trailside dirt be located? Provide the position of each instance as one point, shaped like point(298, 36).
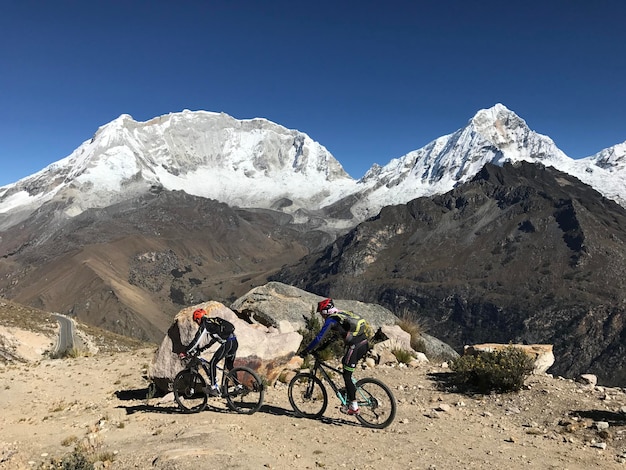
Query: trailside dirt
point(98, 406)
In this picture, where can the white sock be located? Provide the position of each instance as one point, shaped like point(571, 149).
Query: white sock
point(354, 405)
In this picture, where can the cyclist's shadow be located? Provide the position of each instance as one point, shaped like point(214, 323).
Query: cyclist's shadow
point(144, 394)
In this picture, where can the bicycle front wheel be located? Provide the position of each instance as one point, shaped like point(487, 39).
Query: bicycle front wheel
point(244, 390)
point(307, 395)
point(377, 404)
point(189, 391)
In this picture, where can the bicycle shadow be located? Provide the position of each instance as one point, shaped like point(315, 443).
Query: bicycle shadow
point(279, 411)
point(145, 408)
point(149, 393)
point(143, 394)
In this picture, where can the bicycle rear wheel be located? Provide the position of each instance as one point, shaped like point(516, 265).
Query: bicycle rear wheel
point(189, 391)
point(243, 390)
point(377, 405)
point(307, 395)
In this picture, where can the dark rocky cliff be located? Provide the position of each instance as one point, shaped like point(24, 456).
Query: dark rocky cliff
point(520, 254)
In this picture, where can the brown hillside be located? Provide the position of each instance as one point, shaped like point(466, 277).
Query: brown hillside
point(129, 268)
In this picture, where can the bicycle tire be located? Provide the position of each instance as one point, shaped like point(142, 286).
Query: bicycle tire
point(307, 395)
point(189, 391)
point(377, 405)
point(243, 390)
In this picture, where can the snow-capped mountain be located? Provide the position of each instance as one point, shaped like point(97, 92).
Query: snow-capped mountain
point(495, 135)
point(249, 163)
point(260, 164)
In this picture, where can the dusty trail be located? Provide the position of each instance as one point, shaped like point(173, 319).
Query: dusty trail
point(52, 406)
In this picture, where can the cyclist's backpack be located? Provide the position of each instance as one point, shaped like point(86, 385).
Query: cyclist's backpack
point(219, 326)
point(354, 323)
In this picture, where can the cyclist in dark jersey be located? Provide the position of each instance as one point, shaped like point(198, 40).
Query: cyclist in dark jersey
point(221, 331)
point(352, 330)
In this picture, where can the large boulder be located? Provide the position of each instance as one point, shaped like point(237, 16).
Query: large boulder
point(275, 302)
point(435, 349)
point(265, 350)
point(393, 337)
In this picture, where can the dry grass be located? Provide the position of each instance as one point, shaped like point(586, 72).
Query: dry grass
point(13, 315)
point(414, 328)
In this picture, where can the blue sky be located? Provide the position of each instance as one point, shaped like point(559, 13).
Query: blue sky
point(369, 80)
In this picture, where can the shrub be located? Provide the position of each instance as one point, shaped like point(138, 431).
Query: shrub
point(499, 371)
point(76, 460)
point(402, 355)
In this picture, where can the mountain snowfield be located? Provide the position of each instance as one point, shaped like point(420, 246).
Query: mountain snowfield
point(259, 164)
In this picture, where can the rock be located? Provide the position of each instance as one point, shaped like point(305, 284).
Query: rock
point(588, 379)
point(274, 302)
point(436, 349)
point(265, 350)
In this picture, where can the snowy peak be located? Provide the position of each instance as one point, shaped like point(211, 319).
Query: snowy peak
point(611, 159)
point(495, 135)
point(248, 163)
point(512, 137)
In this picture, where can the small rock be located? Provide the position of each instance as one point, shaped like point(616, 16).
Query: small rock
point(588, 379)
point(599, 425)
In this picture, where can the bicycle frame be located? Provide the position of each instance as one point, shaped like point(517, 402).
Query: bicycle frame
point(198, 361)
point(324, 370)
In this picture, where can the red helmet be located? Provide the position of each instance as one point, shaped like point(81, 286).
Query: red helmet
point(198, 314)
point(325, 304)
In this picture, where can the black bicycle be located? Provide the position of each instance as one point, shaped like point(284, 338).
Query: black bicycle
point(309, 398)
point(241, 387)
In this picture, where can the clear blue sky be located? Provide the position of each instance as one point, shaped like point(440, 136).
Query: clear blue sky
point(369, 80)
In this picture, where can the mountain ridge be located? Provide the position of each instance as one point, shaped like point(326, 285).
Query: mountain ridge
point(216, 156)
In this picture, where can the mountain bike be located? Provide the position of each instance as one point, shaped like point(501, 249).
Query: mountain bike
point(240, 386)
point(309, 398)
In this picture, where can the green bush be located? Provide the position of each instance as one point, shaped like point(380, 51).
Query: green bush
point(73, 461)
point(499, 371)
point(313, 325)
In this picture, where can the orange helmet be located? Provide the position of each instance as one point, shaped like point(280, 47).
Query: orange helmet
point(198, 314)
point(325, 304)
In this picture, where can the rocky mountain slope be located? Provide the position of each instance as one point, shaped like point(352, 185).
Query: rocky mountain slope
point(519, 254)
point(131, 266)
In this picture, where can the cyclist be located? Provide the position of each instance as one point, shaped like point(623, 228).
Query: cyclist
point(221, 331)
point(353, 331)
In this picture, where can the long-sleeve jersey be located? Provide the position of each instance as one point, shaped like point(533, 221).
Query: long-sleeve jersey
point(329, 324)
point(346, 324)
point(216, 328)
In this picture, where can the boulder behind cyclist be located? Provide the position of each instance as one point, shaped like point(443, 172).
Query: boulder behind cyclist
point(354, 332)
point(220, 331)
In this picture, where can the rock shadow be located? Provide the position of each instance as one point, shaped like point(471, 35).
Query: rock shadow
point(613, 418)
